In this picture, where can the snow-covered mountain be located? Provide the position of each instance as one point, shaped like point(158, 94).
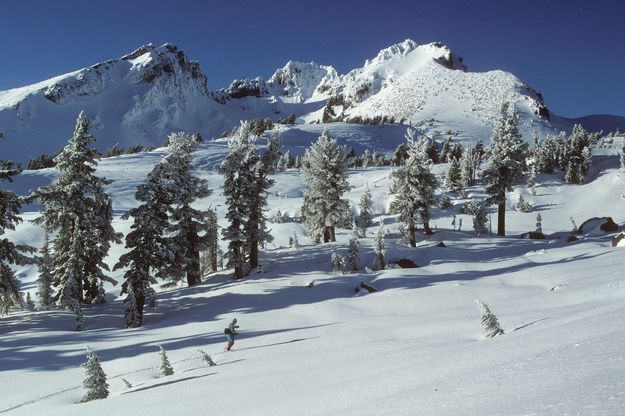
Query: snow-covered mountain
point(153, 91)
point(429, 83)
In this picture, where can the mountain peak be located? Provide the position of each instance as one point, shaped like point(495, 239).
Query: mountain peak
point(398, 49)
point(437, 51)
point(302, 81)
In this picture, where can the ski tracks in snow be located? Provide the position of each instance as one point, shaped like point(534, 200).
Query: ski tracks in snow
point(120, 375)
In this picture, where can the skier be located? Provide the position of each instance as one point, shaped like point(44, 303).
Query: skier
point(231, 333)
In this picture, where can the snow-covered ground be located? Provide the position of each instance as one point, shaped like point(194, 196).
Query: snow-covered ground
point(414, 347)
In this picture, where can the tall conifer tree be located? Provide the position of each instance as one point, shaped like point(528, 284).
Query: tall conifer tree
point(79, 213)
point(9, 252)
point(506, 162)
point(414, 186)
point(325, 169)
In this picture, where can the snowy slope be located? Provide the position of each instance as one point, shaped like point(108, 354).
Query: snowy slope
point(142, 97)
point(137, 99)
point(429, 84)
point(415, 347)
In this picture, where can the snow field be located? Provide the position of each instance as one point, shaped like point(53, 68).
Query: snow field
point(414, 347)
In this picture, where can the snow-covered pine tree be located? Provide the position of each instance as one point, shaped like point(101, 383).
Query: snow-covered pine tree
point(506, 162)
point(246, 185)
point(432, 151)
point(469, 165)
point(489, 322)
point(151, 252)
point(414, 186)
point(352, 258)
point(445, 149)
point(70, 272)
point(379, 249)
point(550, 153)
point(255, 227)
point(95, 383)
point(207, 358)
point(365, 218)
point(401, 154)
point(280, 165)
point(212, 239)
point(456, 152)
point(78, 208)
point(338, 263)
point(480, 219)
point(166, 368)
point(44, 280)
point(284, 162)
point(576, 157)
point(238, 187)
point(367, 158)
point(278, 219)
point(531, 179)
point(295, 240)
point(187, 225)
point(9, 252)
point(453, 180)
point(325, 168)
point(539, 223)
point(272, 154)
point(297, 163)
point(522, 205)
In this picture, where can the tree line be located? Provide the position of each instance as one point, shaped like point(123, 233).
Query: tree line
point(168, 233)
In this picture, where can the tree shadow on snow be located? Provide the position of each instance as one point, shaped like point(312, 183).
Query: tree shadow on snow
point(167, 383)
point(44, 340)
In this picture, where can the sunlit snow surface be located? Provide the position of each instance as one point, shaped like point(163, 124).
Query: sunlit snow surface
point(415, 347)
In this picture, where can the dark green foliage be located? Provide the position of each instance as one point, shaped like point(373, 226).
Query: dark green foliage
point(79, 213)
point(137, 148)
point(414, 187)
point(115, 150)
point(95, 383)
point(506, 162)
point(10, 253)
point(41, 162)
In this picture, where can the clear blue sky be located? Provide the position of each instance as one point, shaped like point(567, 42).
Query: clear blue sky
point(571, 51)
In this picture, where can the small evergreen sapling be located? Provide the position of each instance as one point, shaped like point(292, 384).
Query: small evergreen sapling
point(207, 358)
point(522, 205)
point(127, 383)
point(166, 368)
point(95, 383)
point(480, 220)
point(490, 325)
point(352, 258)
point(365, 218)
point(338, 263)
point(379, 249)
point(539, 223)
point(295, 244)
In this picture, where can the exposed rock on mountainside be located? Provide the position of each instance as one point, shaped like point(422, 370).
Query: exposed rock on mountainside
point(141, 97)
